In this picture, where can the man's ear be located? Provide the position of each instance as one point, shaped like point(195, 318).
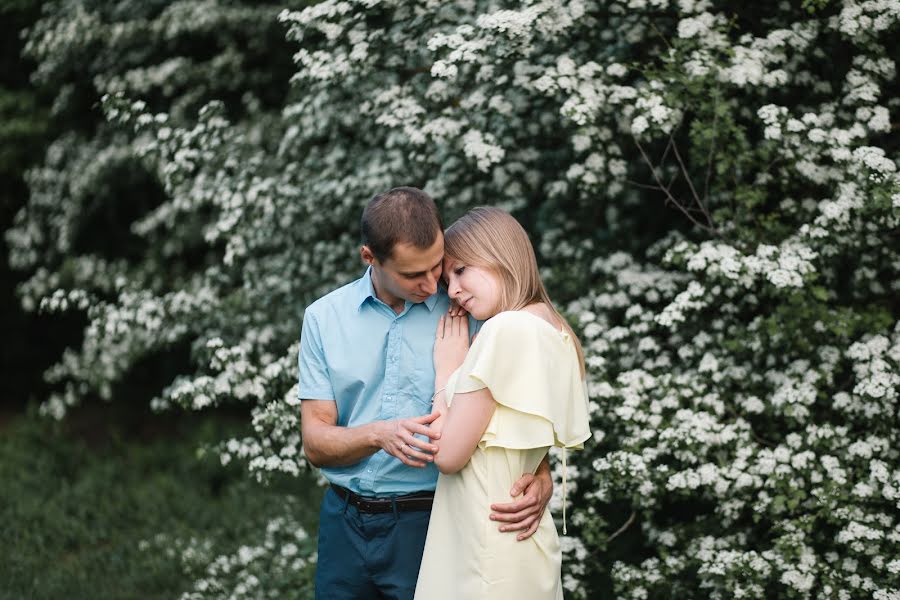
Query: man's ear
point(366, 253)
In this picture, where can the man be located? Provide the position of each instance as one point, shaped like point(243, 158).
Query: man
point(366, 383)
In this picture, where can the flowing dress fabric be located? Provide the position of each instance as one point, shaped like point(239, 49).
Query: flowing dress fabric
point(532, 371)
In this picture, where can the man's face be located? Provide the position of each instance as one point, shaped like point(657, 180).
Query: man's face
point(409, 274)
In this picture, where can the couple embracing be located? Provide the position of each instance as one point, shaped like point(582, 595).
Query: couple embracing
point(433, 437)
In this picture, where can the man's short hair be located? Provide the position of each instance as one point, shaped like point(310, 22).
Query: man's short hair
point(403, 214)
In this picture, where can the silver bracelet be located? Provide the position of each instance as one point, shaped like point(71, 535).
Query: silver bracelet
point(434, 395)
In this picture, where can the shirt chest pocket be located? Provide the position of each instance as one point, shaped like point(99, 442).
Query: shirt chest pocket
point(417, 379)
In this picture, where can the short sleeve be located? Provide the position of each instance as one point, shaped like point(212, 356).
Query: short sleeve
point(314, 384)
point(533, 373)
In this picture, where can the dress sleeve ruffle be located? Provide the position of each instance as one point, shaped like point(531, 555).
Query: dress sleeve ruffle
point(532, 372)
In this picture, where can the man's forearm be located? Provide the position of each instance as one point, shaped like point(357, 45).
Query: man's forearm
point(335, 446)
point(543, 469)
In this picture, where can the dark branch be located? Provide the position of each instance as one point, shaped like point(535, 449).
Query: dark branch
point(670, 198)
point(622, 529)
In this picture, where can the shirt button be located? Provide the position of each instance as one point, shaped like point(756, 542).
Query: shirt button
point(388, 398)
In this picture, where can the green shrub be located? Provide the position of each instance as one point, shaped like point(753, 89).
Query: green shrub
point(132, 518)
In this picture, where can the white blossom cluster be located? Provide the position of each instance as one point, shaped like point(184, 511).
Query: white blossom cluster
point(276, 563)
point(783, 267)
point(716, 211)
point(285, 555)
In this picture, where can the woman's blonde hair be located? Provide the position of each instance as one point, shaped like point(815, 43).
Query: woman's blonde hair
point(492, 239)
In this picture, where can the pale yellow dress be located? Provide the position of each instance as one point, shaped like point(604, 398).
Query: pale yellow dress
point(532, 371)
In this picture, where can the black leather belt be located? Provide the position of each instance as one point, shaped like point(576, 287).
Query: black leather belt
point(370, 504)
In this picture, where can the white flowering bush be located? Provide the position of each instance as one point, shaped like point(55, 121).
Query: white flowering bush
point(713, 192)
point(278, 562)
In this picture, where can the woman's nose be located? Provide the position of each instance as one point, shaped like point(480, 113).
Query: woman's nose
point(452, 287)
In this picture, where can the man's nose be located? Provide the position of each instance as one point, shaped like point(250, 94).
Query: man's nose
point(431, 283)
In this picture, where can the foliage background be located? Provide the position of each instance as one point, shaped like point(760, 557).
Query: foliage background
point(117, 501)
point(712, 189)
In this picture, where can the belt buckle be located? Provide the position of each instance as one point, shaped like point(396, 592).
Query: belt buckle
point(374, 505)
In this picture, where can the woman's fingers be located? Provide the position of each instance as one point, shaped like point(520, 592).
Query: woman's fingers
point(452, 326)
point(457, 325)
point(456, 310)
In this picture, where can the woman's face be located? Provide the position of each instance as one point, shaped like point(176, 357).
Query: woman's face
point(475, 289)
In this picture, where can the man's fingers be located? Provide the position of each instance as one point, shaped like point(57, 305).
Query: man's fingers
point(415, 444)
point(524, 524)
point(530, 531)
point(419, 425)
point(422, 430)
point(513, 517)
point(519, 486)
point(413, 453)
point(512, 507)
point(426, 419)
point(406, 460)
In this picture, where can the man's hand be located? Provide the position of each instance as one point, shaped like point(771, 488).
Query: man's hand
point(396, 438)
point(525, 514)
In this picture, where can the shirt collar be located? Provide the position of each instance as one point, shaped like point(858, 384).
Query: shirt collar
point(431, 300)
point(365, 290)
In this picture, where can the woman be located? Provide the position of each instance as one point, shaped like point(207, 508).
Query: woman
point(503, 402)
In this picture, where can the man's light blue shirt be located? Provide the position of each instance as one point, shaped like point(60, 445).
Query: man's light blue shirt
point(376, 365)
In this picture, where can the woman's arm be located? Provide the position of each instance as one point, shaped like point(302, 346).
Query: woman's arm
point(451, 344)
point(461, 427)
point(471, 412)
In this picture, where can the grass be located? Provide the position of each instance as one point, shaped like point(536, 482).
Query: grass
point(74, 509)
